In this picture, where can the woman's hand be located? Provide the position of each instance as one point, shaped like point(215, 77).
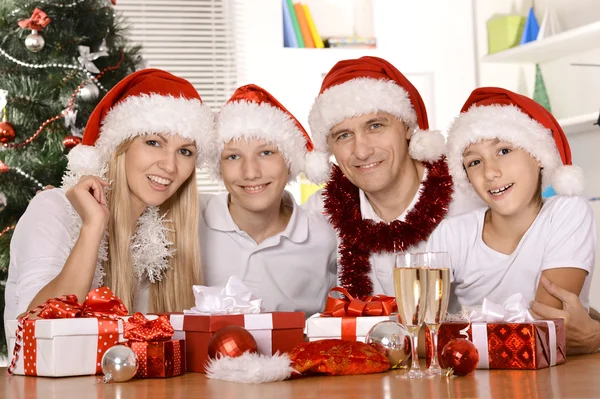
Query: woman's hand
point(87, 197)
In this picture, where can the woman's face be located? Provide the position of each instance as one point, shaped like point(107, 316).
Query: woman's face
point(156, 166)
point(255, 174)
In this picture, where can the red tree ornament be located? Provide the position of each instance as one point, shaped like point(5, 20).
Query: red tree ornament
point(231, 341)
point(3, 167)
point(460, 355)
point(7, 132)
point(71, 141)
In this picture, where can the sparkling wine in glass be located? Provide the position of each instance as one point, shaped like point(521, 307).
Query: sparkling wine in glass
point(410, 285)
point(438, 289)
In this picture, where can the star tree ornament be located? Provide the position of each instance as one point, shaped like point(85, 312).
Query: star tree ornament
point(38, 21)
point(87, 59)
point(3, 201)
point(103, 48)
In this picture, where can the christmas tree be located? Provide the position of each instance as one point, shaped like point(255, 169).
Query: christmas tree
point(57, 60)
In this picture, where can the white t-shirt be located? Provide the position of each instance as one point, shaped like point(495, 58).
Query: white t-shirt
point(290, 271)
point(562, 235)
point(39, 248)
point(382, 264)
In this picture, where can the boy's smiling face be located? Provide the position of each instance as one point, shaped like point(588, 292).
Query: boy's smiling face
point(506, 177)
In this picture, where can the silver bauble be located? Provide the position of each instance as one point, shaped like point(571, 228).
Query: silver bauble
point(393, 340)
point(34, 42)
point(89, 92)
point(119, 364)
point(3, 201)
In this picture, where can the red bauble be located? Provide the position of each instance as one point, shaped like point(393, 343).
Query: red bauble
point(71, 141)
point(231, 341)
point(7, 132)
point(3, 167)
point(460, 355)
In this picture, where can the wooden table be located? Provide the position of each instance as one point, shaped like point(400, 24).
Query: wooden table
point(578, 378)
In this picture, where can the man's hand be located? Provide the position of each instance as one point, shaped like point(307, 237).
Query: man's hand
point(583, 333)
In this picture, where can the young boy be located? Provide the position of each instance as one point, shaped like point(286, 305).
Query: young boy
point(506, 148)
point(283, 254)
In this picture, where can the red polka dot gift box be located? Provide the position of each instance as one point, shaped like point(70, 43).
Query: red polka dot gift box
point(157, 354)
point(63, 337)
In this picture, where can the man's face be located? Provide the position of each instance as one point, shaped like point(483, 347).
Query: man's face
point(371, 150)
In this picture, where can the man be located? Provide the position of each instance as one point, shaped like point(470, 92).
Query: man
point(391, 186)
point(583, 328)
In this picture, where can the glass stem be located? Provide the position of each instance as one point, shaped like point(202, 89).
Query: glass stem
point(415, 351)
point(434, 339)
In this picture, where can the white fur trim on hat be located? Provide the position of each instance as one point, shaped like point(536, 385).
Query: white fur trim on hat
point(427, 145)
point(150, 114)
point(84, 159)
point(250, 368)
point(354, 98)
point(568, 180)
point(317, 167)
point(249, 120)
point(506, 123)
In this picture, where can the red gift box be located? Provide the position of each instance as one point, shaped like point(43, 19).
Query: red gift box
point(523, 346)
point(159, 358)
point(273, 332)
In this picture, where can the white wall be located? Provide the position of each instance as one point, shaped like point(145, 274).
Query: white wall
point(409, 35)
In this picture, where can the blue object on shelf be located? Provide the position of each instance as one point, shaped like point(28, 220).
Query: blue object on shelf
point(289, 36)
point(532, 28)
point(549, 192)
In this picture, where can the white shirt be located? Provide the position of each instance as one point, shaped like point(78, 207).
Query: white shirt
point(290, 271)
point(562, 235)
point(39, 248)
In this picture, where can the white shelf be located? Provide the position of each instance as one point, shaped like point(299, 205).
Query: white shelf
point(569, 42)
point(579, 124)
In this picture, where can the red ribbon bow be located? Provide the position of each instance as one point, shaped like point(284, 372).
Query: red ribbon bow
point(375, 305)
point(100, 303)
point(38, 21)
point(139, 328)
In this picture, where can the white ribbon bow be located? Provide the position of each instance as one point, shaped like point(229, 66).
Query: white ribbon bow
point(3, 99)
point(86, 58)
point(234, 298)
point(513, 310)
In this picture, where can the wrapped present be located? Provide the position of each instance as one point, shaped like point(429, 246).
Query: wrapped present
point(65, 338)
point(350, 318)
point(234, 305)
point(158, 355)
point(507, 337)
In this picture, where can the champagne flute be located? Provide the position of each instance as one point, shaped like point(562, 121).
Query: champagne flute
point(410, 285)
point(438, 294)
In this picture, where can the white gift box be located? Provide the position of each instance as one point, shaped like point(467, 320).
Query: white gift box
point(347, 328)
point(62, 347)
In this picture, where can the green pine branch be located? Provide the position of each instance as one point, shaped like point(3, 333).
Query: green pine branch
point(38, 94)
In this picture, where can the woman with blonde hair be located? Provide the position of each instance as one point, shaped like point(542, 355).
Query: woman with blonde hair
point(126, 215)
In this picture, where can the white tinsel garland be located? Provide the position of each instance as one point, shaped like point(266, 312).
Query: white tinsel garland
point(150, 247)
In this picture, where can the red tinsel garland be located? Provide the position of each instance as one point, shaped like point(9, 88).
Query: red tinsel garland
point(360, 237)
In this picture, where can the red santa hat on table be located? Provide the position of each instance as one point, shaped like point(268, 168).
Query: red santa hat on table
point(146, 102)
point(367, 85)
point(495, 113)
point(253, 113)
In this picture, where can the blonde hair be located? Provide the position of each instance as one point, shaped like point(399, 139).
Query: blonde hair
point(174, 291)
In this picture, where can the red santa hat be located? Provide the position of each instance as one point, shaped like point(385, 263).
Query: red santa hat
point(367, 85)
point(253, 113)
point(146, 102)
point(495, 113)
